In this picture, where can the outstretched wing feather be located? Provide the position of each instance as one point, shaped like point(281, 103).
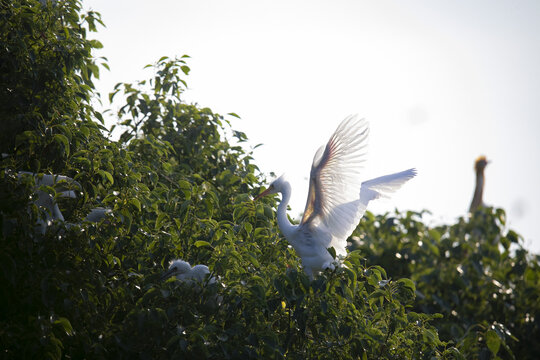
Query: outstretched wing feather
point(337, 199)
point(334, 179)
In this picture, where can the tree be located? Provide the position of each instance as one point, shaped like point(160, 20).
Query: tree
point(46, 74)
point(475, 273)
point(179, 187)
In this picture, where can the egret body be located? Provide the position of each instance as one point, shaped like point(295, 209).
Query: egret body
point(184, 272)
point(337, 199)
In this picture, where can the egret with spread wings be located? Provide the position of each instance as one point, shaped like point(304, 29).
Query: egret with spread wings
point(337, 199)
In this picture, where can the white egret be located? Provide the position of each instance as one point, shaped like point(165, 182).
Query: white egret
point(184, 272)
point(479, 166)
point(46, 202)
point(63, 185)
point(336, 200)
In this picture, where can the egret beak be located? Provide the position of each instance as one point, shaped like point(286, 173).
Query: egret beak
point(264, 193)
point(167, 274)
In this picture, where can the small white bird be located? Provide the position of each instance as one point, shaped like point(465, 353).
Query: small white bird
point(336, 200)
point(184, 272)
point(64, 188)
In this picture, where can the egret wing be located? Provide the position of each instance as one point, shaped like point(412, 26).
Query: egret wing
point(383, 186)
point(380, 187)
point(372, 189)
point(335, 182)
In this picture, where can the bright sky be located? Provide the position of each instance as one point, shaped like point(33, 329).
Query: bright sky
point(441, 83)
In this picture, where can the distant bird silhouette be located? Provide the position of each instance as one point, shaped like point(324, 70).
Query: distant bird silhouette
point(184, 272)
point(479, 166)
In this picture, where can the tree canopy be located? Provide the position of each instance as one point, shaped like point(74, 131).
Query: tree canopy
point(179, 185)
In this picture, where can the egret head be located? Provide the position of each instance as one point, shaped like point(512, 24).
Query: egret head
point(199, 273)
point(480, 163)
point(275, 186)
point(176, 267)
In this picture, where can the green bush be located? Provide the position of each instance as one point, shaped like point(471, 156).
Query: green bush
point(178, 188)
point(474, 272)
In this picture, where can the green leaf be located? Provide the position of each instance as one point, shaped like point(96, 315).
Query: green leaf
point(407, 283)
point(160, 219)
point(63, 140)
point(65, 324)
point(493, 341)
point(186, 188)
point(377, 294)
point(431, 336)
point(100, 117)
point(253, 259)
point(127, 219)
point(332, 252)
point(201, 243)
point(106, 176)
point(513, 236)
point(238, 212)
point(435, 234)
point(185, 69)
point(136, 203)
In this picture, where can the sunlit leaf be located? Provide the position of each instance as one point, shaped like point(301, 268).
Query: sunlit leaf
point(201, 243)
point(65, 324)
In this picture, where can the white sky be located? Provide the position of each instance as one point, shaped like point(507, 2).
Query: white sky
point(441, 82)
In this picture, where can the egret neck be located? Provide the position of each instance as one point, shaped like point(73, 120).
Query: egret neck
point(479, 166)
point(284, 224)
point(479, 189)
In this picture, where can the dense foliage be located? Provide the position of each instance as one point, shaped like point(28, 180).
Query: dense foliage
point(180, 187)
point(474, 272)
